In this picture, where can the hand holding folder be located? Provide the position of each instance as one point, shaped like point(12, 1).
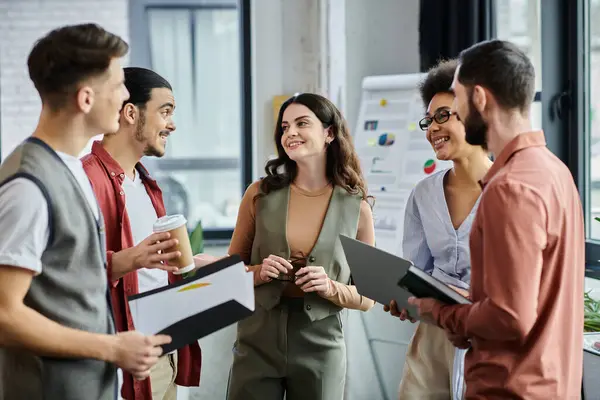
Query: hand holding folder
point(218, 295)
point(385, 277)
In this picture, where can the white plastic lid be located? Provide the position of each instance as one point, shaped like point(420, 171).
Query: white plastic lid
point(169, 222)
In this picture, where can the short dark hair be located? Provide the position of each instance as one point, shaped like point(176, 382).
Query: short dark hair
point(438, 80)
point(67, 56)
point(140, 82)
point(503, 69)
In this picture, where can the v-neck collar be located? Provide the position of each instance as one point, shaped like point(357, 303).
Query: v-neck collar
point(448, 218)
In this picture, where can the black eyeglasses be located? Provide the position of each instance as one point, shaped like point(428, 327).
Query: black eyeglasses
point(297, 263)
point(440, 117)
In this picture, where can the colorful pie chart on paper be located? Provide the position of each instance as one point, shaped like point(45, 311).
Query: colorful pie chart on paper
point(429, 166)
point(387, 139)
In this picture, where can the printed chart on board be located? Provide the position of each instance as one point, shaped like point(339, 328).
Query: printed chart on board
point(394, 152)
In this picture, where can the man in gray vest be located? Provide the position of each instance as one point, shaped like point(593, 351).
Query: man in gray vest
point(57, 336)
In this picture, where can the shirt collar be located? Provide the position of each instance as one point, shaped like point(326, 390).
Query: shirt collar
point(522, 141)
point(112, 166)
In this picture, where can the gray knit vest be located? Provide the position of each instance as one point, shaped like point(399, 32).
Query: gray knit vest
point(71, 289)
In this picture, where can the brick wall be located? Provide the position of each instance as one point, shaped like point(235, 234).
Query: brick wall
point(22, 22)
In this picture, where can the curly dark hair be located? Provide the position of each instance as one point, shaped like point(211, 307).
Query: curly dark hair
point(342, 167)
point(438, 80)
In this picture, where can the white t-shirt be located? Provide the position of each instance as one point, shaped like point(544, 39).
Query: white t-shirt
point(142, 216)
point(24, 219)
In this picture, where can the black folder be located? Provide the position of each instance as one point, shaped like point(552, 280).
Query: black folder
point(216, 296)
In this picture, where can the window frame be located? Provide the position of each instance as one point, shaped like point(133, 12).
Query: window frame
point(140, 56)
point(564, 96)
point(566, 80)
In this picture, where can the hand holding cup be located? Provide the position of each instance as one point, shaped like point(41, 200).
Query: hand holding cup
point(175, 226)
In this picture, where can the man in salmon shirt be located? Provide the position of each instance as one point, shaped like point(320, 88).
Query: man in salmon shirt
point(524, 329)
point(131, 201)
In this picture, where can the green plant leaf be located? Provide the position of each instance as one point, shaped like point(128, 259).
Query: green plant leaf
point(197, 239)
point(197, 243)
point(591, 313)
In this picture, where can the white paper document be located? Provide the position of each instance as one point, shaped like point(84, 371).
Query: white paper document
point(218, 295)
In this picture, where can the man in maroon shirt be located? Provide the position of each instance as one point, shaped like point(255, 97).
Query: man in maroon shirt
point(524, 329)
point(131, 201)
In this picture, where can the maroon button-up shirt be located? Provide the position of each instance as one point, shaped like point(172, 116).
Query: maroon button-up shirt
point(107, 176)
point(527, 267)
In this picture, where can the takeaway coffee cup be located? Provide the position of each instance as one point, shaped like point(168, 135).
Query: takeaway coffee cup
point(176, 226)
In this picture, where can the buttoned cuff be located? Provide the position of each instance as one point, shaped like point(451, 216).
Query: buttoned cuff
point(451, 318)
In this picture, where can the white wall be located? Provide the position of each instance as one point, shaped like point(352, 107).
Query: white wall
point(285, 57)
point(328, 47)
point(22, 22)
point(382, 38)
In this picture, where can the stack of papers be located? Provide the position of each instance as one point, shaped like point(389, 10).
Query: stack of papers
point(218, 295)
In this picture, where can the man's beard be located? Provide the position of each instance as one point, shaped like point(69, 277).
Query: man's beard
point(150, 150)
point(476, 128)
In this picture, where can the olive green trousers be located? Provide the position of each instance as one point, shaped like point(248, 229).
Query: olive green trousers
point(281, 352)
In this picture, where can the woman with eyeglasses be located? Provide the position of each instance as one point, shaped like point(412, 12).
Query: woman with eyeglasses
point(287, 233)
point(438, 217)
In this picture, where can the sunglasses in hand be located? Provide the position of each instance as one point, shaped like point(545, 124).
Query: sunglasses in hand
point(297, 263)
